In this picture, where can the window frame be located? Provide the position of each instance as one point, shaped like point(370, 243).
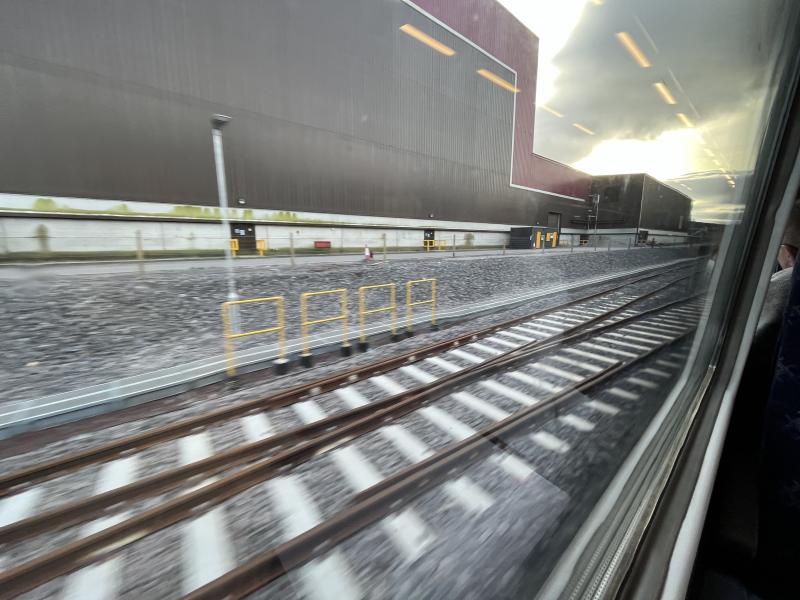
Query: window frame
point(641, 538)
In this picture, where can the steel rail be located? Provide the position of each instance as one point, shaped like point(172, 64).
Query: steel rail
point(37, 571)
point(20, 480)
point(396, 491)
point(85, 509)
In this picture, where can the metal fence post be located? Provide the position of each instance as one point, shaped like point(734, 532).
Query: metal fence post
point(230, 309)
point(454, 245)
point(306, 358)
point(139, 251)
point(346, 349)
point(410, 304)
point(363, 344)
point(383, 235)
point(291, 248)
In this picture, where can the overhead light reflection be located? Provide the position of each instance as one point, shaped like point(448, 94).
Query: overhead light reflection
point(662, 89)
point(552, 111)
point(627, 42)
point(427, 40)
point(684, 119)
point(583, 129)
point(497, 80)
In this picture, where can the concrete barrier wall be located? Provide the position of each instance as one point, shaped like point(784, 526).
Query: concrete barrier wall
point(53, 235)
point(87, 235)
point(304, 237)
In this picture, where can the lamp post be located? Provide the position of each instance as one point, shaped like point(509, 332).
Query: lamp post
point(217, 123)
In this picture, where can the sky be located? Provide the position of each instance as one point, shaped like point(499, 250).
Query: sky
point(677, 89)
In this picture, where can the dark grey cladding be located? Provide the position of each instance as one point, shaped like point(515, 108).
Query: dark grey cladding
point(333, 109)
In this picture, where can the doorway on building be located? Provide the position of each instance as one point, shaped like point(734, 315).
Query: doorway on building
point(554, 220)
point(430, 234)
point(246, 234)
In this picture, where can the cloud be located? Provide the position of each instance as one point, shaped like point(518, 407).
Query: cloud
point(553, 23)
point(665, 157)
point(714, 57)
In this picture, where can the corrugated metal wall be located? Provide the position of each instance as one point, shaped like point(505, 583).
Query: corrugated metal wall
point(664, 208)
point(620, 200)
point(334, 109)
point(628, 201)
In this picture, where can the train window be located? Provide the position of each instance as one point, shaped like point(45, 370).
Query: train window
point(289, 309)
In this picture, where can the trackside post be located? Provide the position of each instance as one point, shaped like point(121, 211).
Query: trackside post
point(363, 311)
point(230, 333)
point(305, 323)
point(410, 304)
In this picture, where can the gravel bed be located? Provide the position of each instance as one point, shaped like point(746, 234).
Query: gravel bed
point(252, 535)
point(496, 545)
point(259, 385)
point(53, 493)
point(370, 555)
point(51, 589)
point(65, 332)
point(34, 547)
point(429, 434)
point(381, 452)
point(464, 414)
point(500, 402)
point(330, 403)
point(152, 567)
point(325, 483)
point(227, 435)
point(157, 459)
point(282, 589)
point(491, 543)
point(524, 516)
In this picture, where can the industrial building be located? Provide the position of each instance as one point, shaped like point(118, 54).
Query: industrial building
point(638, 203)
point(357, 120)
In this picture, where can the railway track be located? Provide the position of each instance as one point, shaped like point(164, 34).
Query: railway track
point(24, 478)
point(434, 409)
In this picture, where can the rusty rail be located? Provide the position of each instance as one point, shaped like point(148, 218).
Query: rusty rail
point(393, 493)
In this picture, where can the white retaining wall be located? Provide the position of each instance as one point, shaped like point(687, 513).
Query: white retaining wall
point(18, 234)
point(95, 235)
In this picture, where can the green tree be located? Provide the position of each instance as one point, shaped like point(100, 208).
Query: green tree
point(45, 204)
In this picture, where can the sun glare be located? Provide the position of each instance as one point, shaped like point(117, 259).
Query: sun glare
point(670, 155)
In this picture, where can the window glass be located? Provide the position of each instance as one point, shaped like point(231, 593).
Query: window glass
point(356, 299)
